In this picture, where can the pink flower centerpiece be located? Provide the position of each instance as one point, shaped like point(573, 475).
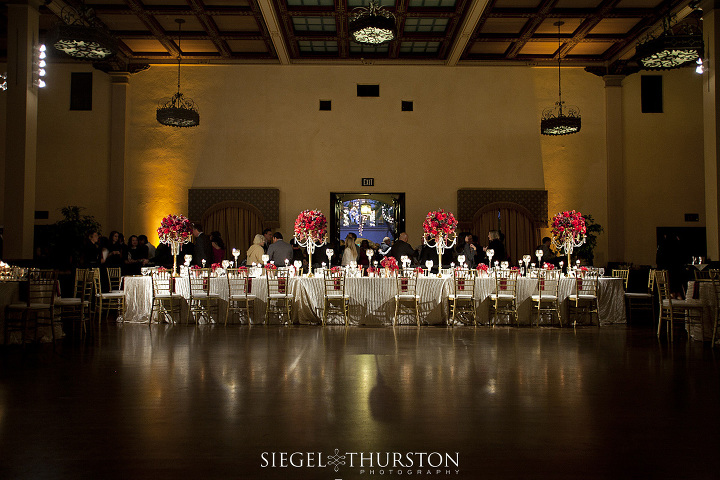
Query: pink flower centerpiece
point(175, 230)
point(311, 232)
point(439, 232)
point(568, 231)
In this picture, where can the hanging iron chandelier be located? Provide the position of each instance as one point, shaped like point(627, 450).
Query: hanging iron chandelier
point(560, 119)
point(372, 25)
point(673, 48)
point(179, 111)
point(79, 35)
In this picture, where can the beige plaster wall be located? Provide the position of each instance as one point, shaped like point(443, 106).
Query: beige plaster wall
point(663, 161)
point(73, 146)
point(260, 127)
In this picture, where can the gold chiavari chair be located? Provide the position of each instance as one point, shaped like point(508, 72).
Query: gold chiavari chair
point(642, 300)
point(336, 300)
point(407, 296)
point(114, 275)
point(701, 275)
point(584, 298)
point(77, 307)
point(40, 306)
point(548, 299)
point(715, 278)
point(202, 302)
point(504, 299)
point(462, 300)
point(670, 308)
point(623, 273)
point(280, 295)
point(167, 301)
point(240, 299)
point(114, 300)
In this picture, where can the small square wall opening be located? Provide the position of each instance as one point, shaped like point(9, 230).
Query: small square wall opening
point(325, 105)
point(406, 106)
point(368, 90)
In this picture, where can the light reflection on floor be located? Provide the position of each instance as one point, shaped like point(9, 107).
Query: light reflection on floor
point(206, 402)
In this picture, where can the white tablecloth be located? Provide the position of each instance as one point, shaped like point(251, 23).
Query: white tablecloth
point(10, 293)
point(706, 294)
point(372, 300)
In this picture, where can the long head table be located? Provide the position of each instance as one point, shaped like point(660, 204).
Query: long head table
point(372, 300)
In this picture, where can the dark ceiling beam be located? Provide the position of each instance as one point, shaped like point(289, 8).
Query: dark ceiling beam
point(586, 26)
point(210, 27)
point(401, 7)
point(341, 22)
point(570, 13)
point(530, 27)
point(104, 9)
point(545, 38)
point(154, 27)
point(485, 15)
point(260, 19)
point(453, 27)
point(143, 35)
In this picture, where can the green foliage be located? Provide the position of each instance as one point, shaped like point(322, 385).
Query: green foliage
point(587, 250)
point(68, 235)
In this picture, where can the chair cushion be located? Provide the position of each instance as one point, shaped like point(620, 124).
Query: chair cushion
point(202, 295)
point(549, 298)
point(637, 295)
point(111, 295)
point(688, 303)
point(167, 295)
point(582, 297)
point(280, 295)
point(33, 306)
point(68, 301)
point(335, 296)
point(502, 296)
point(407, 297)
point(242, 297)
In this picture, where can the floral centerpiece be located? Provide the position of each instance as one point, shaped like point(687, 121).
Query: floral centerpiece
point(482, 268)
point(548, 266)
point(568, 231)
point(175, 230)
point(439, 232)
point(311, 232)
point(390, 264)
point(372, 271)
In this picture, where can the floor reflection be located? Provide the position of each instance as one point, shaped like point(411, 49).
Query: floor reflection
point(523, 403)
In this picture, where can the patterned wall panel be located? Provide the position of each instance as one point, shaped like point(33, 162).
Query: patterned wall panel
point(267, 200)
point(470, 200)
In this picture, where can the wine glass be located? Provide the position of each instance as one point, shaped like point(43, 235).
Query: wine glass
point(188, 259)
point(429, 265)
point(329, 252)
point(489, 252)
point(461, 260)
point(526, 261)
point(369, 252)
point(539, 255)
point(236, 254)
point(265, 259)
point(504, 265)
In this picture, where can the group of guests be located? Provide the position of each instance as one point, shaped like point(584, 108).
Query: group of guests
point(137, 252)
point(276, 248)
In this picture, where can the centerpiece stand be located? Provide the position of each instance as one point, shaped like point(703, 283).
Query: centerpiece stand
point(568, 232)
point(311, 233)
point(439, 233)
point(174, 231)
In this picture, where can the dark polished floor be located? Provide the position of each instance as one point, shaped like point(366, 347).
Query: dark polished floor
point(212, 402)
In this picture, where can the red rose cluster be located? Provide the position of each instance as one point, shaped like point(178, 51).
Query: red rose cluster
point(439, 222)
point(310, 224)
point(567, 225)
point(482, 267)
point(390, 263)
point(175, 228)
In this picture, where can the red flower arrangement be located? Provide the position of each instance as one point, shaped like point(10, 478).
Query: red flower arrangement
point(419, 270)
point(310, 224)
point(195, 267)
point(215, 266)
point(482, 267)
point(584, 269)
point(372, 270)
point(568, 226)
point(335, 269)
point(175, 229)
point(270, 266)
point(548, 266)
point(439, 223)
point(162, 269)
point(390, 263)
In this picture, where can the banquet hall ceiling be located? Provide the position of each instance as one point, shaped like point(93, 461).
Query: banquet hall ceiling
point(595, 33)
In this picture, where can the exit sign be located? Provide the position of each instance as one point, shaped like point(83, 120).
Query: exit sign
point(368, 182)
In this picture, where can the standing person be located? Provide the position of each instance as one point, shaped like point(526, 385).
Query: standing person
point(548, 255)
point(465, 247)
point(92, 252)
point(497, 246)
point(116, 250)
point(280, 251)
point(151, 248)
point(385, 246)
point(255, 252)
point(350, 253)
point(137, 256)
point(402, 247)
point(362, 255)
point(203, 248)
point(218, 247)
point(268, 236)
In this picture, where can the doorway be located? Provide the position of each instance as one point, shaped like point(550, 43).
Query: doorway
point(370, 216)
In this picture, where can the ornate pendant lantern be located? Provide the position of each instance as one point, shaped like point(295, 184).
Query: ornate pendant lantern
point(560, 119)
point(179, 111)
point(79, 35)
point(673, 48)
point(372, 25)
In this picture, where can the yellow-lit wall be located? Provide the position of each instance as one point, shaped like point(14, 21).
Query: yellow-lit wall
point(472, 127)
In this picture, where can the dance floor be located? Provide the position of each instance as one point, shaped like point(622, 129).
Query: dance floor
point(209, 402)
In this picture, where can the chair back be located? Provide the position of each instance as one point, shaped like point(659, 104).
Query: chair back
point(715, 279)
point(586, 283)
point(199, 279)
point(406, 281)
point(97, 284)
point(42, 287)
point(623, 273)
point(81, 280)
point(114, 277)
point(162, 282)
point(662, 280)
point(278, 281)
point(464, 282)
point(651, 281)
point(237, 281)
point(702, 275)
point(334, 282)
point(506, 282)
point(548, 283)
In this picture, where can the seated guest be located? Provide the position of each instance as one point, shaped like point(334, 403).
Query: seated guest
point(350, 253)
point(280, 251)
point(91, 253)
point(143, 240)
point(136, 257)
point(203, 248)
point(116, 250)
point(268, 239)
point(465, 247)
point(548, 255)
point(385, 246)
point(218, 247)
point(497, 246)
point(255, 252)
point(401, 247)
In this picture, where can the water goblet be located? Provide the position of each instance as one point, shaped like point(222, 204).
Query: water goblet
point(265, 259)
point(539, 255)
point(329, 252)
point(188, 259)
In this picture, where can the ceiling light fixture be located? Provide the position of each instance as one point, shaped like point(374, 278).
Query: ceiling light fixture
point(179, 111)
point(560, 119)
point(372, 25)
point(79, 35)
point(673, 48)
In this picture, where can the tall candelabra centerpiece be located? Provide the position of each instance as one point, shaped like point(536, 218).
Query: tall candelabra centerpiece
point(568, 232)
point(175, 230)
point(439, 233)
point(311, 232)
